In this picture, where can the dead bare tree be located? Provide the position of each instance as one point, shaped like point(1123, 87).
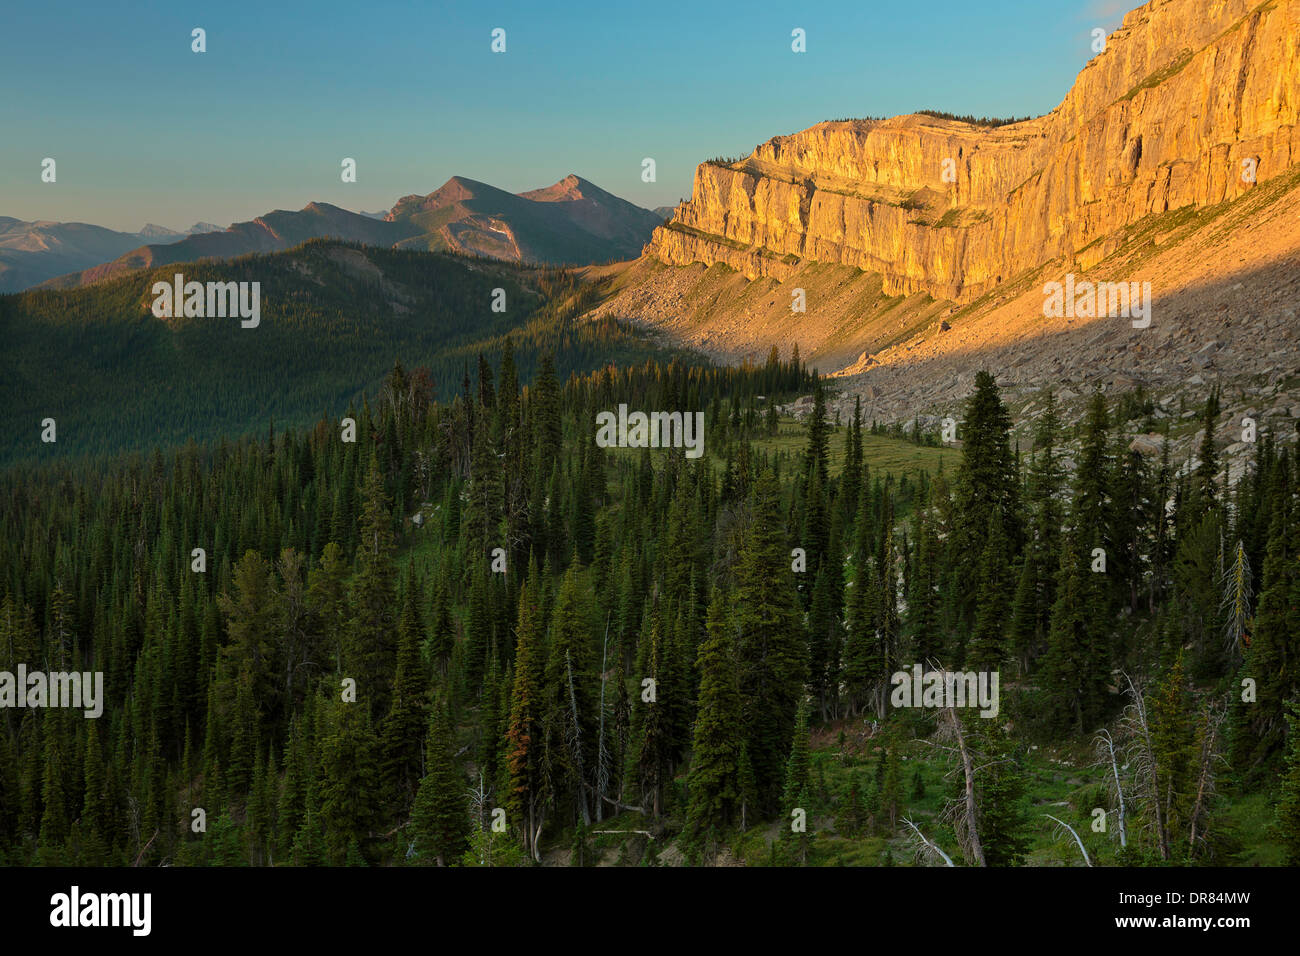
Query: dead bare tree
point(1106, 755)
point(478, 802)
point(925, 848)
point(1141, 755)
point(145, 849)
point(965, 822)
point(1235, 604)
point(573, 737)
point(1073, 833)
point(1209, 759)
point(625, 806)
point(602, 755)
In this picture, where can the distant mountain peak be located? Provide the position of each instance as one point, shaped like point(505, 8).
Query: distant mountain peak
point(569, 189)
point(153, 230)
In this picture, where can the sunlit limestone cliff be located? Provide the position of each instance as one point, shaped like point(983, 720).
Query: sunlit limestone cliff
point(1191, 103)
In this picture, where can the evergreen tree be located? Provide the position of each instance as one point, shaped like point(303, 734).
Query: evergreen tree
point(524, 736)
point(986, 481)
point(796, 768)
point(653, 731)
point(892, 799)
point(371, 652)
point(988, 645)
point(1206, 491)
point(440, 820)
point(1274, 651)
point(772, 650)
point(570, 712)
point(251, 627)
point(714, 781)
point(408, 714)
point(1003, 818)
point(1173, 742)
point(1076, 667)
point(348, 770)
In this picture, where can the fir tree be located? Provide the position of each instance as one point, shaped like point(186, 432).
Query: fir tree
point(1076, 666)
point(407, 716)
point(892, 800)
point(524, 734)
point(986, 481)
point(772, 650)
point(796, 768)
point(1274, 651)
point(714, 781)
point(570, 709)
point(348, 770)
point(371, 652)
point(440, 821)
point(1003, 818)
point(988, 645)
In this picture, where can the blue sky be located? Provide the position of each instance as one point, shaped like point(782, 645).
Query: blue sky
point(143, 129)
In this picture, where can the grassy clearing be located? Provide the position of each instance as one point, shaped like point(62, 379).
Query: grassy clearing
point(883, 454)
point(880, 452)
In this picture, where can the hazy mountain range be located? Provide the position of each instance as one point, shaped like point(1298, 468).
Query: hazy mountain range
point(571, 222)
point(31, 252)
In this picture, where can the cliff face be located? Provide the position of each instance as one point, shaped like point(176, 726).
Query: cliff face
point(1185, 91)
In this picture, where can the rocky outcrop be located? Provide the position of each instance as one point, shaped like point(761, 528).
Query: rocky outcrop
point(1188, 97)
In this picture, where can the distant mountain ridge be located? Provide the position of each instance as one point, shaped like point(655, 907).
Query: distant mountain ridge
point(273, 232)
point(153, 229)
point(572, 222)
point(31, 252)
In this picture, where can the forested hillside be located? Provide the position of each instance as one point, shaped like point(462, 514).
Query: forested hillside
point(114, 377)
point(645, 671)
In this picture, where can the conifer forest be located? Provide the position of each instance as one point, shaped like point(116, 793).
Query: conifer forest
point(472, 636)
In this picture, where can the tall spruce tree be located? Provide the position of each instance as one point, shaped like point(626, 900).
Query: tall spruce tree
point(404, 725)
point(524, 735)
point(371, 653)
point(986, 481)
point(714, 780)
point(773, 650)
point(440, 819)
